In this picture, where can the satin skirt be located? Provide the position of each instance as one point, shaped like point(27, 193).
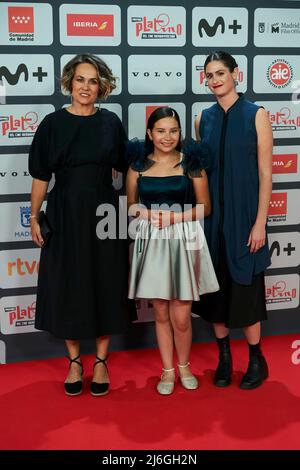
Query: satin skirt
point(171, 263)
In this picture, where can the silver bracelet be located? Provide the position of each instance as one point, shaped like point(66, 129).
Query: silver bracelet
point(33, 217)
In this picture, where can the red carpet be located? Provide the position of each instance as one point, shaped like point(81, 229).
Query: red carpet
point(35, 413)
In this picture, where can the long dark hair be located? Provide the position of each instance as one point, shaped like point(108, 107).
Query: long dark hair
point(222, 56)
point(156, 115)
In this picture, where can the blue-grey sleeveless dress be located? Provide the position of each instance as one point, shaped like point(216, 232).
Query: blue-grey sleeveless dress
point(231, 140)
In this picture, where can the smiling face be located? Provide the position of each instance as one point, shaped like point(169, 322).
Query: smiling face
point(219, 78)
point(165, 134)
point(85, 85)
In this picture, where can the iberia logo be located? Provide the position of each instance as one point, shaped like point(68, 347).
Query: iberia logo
point(20, 20)
point(149, 110)
point(280, 73)
point(285, 163)
point(278, 204)
point(90, 25)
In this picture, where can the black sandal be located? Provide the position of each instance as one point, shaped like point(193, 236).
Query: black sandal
point(99, 389)
point(74, 388)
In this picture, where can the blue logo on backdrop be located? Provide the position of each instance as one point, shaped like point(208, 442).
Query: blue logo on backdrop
point(25, 216)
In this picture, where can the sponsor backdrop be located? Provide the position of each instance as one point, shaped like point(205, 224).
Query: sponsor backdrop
point(157, 50)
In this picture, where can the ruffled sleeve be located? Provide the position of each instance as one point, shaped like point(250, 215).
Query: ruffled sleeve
point(195, 158)
point(39, 158)
point(136, 155)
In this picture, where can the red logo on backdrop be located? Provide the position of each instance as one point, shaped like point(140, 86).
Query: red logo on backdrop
point(90, 25)
point(21, 126)
point(202, 77)
point(161, 25)
point(285, 163)
point(21, 316)
point(283, 120)
point(278, 204)
point(280, 73)
point(149, 110)
point(20, 20)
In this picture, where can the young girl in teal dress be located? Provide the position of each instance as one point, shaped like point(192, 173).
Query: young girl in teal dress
point(167, 188)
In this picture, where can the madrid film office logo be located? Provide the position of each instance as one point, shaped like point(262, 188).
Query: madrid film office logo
point(274, 28)
point(283, 27)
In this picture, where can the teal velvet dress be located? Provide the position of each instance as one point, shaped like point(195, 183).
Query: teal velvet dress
point(173, 262)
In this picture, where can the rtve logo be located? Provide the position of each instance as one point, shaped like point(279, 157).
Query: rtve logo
point(22, 268)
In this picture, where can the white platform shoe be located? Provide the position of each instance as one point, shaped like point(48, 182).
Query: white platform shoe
point(166, 388)
point(190, 382)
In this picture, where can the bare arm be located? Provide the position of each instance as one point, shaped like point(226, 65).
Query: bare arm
point(134, 209)
point(257, 236)
point(38, 193)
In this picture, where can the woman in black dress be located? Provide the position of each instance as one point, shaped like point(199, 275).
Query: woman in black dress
point(83, 278)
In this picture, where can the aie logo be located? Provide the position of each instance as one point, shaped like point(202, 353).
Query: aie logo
point(13, 78)
point(280, 73)
point(211, 30)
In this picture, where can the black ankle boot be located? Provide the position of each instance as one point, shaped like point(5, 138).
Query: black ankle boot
point(223, 373)
point(257, 370)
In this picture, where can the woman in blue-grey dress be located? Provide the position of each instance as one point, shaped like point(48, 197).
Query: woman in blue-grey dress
point(238, 136)
point(171, 263)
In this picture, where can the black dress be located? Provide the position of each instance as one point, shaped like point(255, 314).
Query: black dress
point(83, 280)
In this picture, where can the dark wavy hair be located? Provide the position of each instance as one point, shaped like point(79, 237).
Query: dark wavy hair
point(156, 115)
point(222, 56)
